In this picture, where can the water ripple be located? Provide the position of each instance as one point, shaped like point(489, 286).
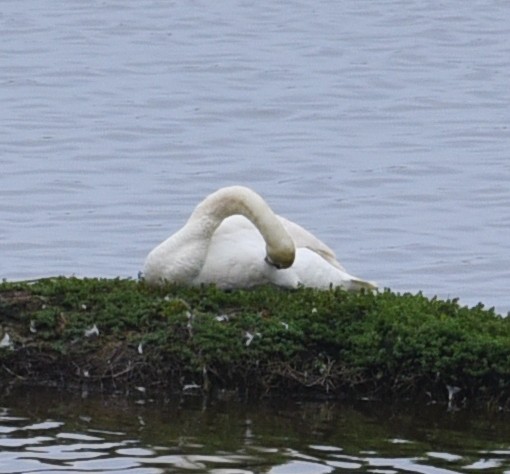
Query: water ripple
point(383, 130)
point(77, 443)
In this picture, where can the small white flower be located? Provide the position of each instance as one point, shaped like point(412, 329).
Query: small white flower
point(221, 317)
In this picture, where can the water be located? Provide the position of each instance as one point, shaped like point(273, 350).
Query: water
point(383, 128)
point(50, 432)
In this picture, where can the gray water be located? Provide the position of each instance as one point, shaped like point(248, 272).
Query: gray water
point(380, 126)
point(49, 432)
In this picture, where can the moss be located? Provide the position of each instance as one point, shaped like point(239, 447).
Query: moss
point(266, 340)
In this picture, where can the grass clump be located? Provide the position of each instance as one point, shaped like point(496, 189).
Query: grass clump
point(262, 341)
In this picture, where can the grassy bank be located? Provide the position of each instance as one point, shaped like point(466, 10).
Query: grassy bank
point(122, 335)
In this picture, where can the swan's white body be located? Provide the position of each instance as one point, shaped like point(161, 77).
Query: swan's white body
point(234, 240)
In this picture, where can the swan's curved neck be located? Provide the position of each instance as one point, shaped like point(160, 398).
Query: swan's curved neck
point(216, 207)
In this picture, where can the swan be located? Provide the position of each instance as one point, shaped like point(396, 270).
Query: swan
point(233, 239)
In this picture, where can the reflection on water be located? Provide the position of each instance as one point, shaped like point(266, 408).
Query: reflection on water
point(46, 431)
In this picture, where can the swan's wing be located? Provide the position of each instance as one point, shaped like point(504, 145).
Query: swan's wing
point(315, 272)
point(236, 258)
point(233, 225)
point(305, 239)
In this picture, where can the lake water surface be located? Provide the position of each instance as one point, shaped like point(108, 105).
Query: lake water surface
point(382, 127)
point(50, 432)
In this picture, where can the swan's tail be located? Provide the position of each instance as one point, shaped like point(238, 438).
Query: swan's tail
point(357, 285)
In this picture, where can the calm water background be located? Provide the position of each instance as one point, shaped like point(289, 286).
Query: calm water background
point(380, 126)
point(47, 432)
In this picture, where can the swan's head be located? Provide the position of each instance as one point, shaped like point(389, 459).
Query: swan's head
point(281, 256)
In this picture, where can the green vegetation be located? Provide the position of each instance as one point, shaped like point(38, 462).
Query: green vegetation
point(258, 342)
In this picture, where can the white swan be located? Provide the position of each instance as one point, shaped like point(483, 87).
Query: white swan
point(234, 240)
